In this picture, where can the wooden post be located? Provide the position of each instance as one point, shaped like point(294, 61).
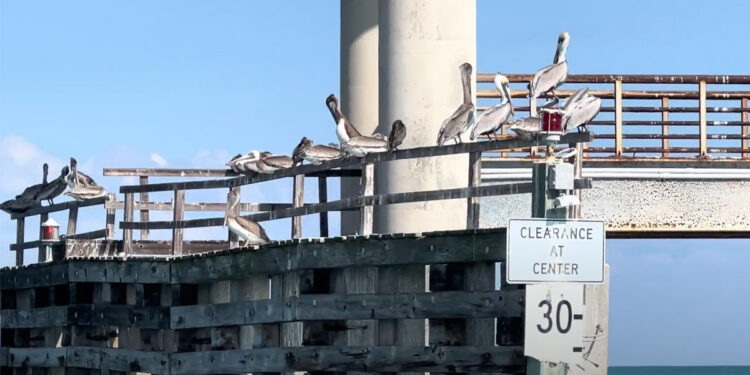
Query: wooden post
point(298, 194)
point(665, 128)
point(702, 117)
point(322, 198)
point(234, 240)
point(42, 255)
point(475, 179)
point(143, 180)
point(532, 113)
point(110, 220)
point(20, 225)
point(618, 117)
point(368, 189)
point(177, 215)
point(72, 221)
point(745, 151)
point(127, 234)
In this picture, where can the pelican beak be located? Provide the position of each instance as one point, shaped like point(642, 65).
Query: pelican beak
point(512, 111)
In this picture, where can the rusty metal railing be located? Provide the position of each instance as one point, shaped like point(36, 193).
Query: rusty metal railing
point(658, 116)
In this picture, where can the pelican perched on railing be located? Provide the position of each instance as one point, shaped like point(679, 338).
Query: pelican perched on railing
point(246, 229)
point(463, 117)
point(269, 163)
point(496, 116)
point(244, 164)
point(580, 109)
point(397, 135)
point(81, 179)
point(55, 187)
point(315, 154)
point(527, 128)
point(547, 79)
point(32, 192)
point(361, 146)
point(83, 193)
point(344, 129)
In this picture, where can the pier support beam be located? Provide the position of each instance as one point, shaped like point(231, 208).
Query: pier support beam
point(359, 82)
point(421, 45)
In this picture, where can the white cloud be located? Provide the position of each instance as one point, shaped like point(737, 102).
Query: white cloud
point(158, 159)
point(21, 165)
point(210, 159)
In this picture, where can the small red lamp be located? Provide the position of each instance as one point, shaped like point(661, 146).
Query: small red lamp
point(50, 230)
point(552, 124)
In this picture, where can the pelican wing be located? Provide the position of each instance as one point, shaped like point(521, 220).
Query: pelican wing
point(16, 205)
point(367, 142)
point(491, 119)
point(324, 152)
point(526, 128)
point(252, 227)
point(548, 78)
point(53, 189)
point(278, 161)
point(397, 136)
point(582, 112)
point(456, 123)
point(82, 193)
point(31, 193)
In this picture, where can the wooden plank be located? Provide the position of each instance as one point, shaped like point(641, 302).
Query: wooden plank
point(412, 153)
point(58, 207)
point(83, 357)
point(290, 334)
point(35, 276)
point(177, 215)
point(452, 304)
point(143, 180)
point(386, 250)
point(354, 358)
point(37, 357)
point(42, 254)
point(189, 173)
point(134, 361)
point(152, 317)
point(234, 240)
point(72, 221)
point(298, 196)
point(86, 235)
point(118, 271)
point(110, 220)
point(744, 131)
point(618, 117)
point(54, 316)
point(532, 113)
point(360, 201)
point(203, 207)
point(475, 179)
point(91, 248)
point(20, 232)
point(665, 128)
point(702, 118)
point(127, 234)
point(368, 189)
point(322, 198)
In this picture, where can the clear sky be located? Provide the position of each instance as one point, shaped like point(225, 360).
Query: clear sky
point(189, 83)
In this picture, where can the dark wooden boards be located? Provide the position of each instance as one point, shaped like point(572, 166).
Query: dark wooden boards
point(58, 207)
point(152, 317)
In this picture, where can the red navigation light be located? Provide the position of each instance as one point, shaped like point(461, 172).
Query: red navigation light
point(552, 121)
point(50, 230)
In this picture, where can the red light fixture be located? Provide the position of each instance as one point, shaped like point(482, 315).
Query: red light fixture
point(50, 230)
point(552, 120)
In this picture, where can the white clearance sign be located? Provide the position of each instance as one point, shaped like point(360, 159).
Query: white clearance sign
point(549, 250)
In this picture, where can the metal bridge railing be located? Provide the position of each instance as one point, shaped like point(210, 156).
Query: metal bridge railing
point(661, 116)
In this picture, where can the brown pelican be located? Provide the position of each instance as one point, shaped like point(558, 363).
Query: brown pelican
point(496, 116)
point(16, 205)
point(76, 177)
point(550, 77)
point(244, 163)
point(397, 135)
point(361, 146)
point(344, 128)
point(463, 117)
point(32, 192)
point(55, 187)
point(232, 163)
point(269, 163)
point(526, 128)
point(82, 193)
point(248, 230)
point(580, 109)
point(315, 154)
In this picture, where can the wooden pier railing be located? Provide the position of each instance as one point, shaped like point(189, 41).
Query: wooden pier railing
point(663, 116)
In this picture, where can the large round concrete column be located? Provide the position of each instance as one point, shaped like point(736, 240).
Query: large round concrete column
point(359, 82)
point(422, 44)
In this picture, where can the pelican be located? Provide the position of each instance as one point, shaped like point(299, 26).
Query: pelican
point(54, 188)
point(496, 116)
point(75, 177)
point(526, 128)
point(361, 146)
point(245, 163)
point(32, 192)
point(550, 77)
point(315, 154)
point(248, 230)
point(232, 163)
point(344, 128)
point(463, 117)
point(83, 193)
point(580, 109)
point(269, 163)
point(12, 206)
point(397, 135)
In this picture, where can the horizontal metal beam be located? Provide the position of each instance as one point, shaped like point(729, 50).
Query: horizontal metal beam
point(179, 172)
point(615, 173)
point(629, 78)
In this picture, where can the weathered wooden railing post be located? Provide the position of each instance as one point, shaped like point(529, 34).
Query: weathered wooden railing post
point(475, 179)
point(322, 198)
point(702, 117)
point(368, 189)
point(42, 255)
point(110, 219)
point(664, 127)
point(127, 234)
point(298, 194)
point(72, 221)
point(618, 117)
point(744, 117)
point(143, 180)
point(177, 215)
point(234, 240)
point(20, 230)
point(532, 113)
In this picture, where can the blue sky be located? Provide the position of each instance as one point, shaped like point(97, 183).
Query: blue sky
point(189, 83)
